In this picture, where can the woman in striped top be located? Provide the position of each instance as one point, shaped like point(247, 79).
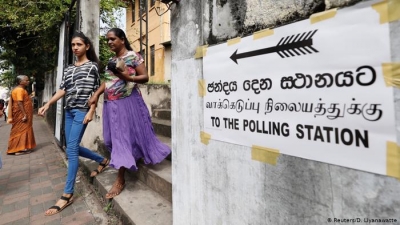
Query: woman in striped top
point(80, 80)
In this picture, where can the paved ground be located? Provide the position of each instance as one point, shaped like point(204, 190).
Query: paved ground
point(29, 184)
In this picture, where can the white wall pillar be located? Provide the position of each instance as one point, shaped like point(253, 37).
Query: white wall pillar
point(89, 21)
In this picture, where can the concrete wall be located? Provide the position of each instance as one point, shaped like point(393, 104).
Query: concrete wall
point(89, 25)
point(89, 20)
point(93, 136)
point(219, 183)
point(43, 97)
point(156, 96)
point(167, 63)
point(50, 78)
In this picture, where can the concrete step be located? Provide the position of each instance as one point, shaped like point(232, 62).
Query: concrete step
point(162, 114)
point(162, 126)
point(157, 177)
point(167, 141)
point(137, 204)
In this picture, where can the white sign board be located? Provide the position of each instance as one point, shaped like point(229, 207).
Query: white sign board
point(311, 90)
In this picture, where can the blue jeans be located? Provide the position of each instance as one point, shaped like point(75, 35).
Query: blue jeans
point(74, 130)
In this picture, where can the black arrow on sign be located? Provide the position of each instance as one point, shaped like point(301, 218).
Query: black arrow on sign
point(287, 47)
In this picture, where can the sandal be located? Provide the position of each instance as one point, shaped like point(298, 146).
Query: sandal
point(22, 152)
point(117, 186)
point(103, 166)
point(59, 209)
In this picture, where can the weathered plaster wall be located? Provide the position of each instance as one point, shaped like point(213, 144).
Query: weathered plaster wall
point(50, 87)
point(89, 25)
point(156, 96)
point(94, 130)
point(340, 3)
point(89, 11)
point(228, 19)
point(45, 96)
point(219, 183)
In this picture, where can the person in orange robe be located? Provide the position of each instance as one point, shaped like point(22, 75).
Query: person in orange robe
point(22, 139)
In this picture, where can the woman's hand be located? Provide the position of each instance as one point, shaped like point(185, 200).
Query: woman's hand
point(88, 117)
point(53, 99)
point(25, 118)
point(123, 75)
point(95, 97)
point(93, 100)
point(43, 109)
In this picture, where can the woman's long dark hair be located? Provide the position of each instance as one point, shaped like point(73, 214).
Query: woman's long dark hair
point(121, 35)
point(90, 53)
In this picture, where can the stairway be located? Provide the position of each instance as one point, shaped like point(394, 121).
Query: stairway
point(147, 196)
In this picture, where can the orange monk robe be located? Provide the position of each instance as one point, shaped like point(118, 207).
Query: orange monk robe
point(21, 136)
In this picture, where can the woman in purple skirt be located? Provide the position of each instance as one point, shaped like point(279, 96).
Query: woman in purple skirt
point(127, 128)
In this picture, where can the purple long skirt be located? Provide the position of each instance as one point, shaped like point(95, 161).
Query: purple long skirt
point(128, 133)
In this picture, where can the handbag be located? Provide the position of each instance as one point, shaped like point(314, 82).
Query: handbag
point(120, 65)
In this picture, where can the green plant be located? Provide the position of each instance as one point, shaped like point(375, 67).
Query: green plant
point(7, 79)
point(107, 207)
point(29, 33)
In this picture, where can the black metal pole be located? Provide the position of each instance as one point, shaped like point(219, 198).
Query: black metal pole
point(140, 28)
point(71, 5)
point(147, 32)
